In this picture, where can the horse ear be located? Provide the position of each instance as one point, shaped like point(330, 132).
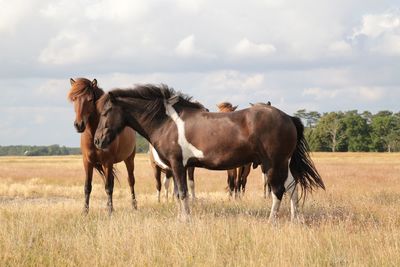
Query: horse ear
point(94, 83)
point(251, 104)
point(234, 108)
point(72, 81)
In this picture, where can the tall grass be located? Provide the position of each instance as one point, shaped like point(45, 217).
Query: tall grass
point(355, 222)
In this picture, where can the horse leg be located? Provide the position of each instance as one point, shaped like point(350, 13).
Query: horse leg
point(88, 184)
point(130, 166)
point(166, 181)
point(291, 188)
point(277, 177)
point(109, 187)
point(190, 173)
point(231, 181)
point(265, 179)
point(245, 174)
point(157, 176)
point(179, 173)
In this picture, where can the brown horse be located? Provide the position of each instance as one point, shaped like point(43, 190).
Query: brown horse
point(237, 178)
point(185, 135)
point(84, 94)
point(160, 167)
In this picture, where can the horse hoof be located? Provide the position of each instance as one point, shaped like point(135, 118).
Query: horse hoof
point(85, 211)
point(134, 204)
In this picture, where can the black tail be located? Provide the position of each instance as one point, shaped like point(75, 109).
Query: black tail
point(99, 168)
point(301, 165)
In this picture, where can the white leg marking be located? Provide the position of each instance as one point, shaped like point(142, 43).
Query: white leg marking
point(191, 187)
point(158, 160)
point(166, 186)
point(275, 208)
point(188, 150)
point(291, 189)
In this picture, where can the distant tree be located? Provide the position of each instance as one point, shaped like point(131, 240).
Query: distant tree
point(331, 129)
point(357, 131)
point(311, 118)
point(385, 131)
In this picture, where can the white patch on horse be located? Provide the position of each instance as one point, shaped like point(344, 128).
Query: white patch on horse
point(188, 150)
point(158, 160)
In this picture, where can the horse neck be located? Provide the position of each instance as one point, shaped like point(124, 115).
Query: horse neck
point(92, 124)
point(147, 128)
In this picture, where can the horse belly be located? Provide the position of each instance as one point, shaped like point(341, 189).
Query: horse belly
point(224, 161)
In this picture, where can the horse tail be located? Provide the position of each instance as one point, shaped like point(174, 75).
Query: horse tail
point(101, 171)
point(301, 165)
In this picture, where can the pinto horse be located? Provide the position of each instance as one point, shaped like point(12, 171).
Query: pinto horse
point(185, 135)
point(84, 94)
point(237, 178)
point(160, 167)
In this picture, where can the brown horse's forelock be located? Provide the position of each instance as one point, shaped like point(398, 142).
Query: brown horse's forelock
point(83, 87)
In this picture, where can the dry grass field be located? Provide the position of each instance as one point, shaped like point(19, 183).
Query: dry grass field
point(355, 222)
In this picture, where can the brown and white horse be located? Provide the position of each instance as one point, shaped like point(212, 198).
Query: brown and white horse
point(84, 94)
point(185, 135)
point(237, 177)
point(160, 167)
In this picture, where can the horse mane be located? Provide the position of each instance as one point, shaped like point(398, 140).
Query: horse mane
point(83, 86)
point(155, 95)
point(226, 107)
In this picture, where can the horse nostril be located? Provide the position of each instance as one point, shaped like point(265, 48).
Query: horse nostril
point(96, 141)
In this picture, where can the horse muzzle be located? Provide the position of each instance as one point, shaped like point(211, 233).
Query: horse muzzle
point(101, 143)
point(80, 126)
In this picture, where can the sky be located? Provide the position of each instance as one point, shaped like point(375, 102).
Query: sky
point(315, 55)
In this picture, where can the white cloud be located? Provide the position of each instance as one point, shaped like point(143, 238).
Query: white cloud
point(228, 80)
point(12, 14)
point(247, 48)
point(68, 47)
point(371, 94)
point(186, 46)
point(53, 87)
point(340, 47)
point(361, 93)
point(117, 10)
point(319, 93)
point(382, 32)
point(374, 25)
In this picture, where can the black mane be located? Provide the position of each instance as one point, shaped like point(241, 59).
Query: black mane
point(154, 92)
point(156, 95)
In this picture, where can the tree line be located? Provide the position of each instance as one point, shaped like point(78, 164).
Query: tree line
point(142, 146)
point(351, 130)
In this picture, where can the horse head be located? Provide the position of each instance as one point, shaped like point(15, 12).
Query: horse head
point(111, 121)
point(226, 107)
point(83, 94)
